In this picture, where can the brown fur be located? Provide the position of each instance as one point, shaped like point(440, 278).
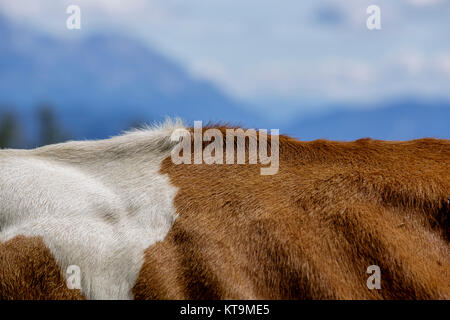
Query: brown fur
point(28, 271)
point(310, 231)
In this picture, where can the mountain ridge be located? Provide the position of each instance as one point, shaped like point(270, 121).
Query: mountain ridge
point(101, 85)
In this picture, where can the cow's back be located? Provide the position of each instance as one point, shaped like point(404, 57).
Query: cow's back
point(167, 231)
point(312, 230)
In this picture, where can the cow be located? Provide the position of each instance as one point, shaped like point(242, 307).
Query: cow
point(133, 224)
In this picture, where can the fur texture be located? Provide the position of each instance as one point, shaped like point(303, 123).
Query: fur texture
point(95, 204)
point(140, 226)
point(312, 230)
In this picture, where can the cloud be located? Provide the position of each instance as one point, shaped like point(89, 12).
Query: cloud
point(443, 64)
point(267, 50)
point(424, 2)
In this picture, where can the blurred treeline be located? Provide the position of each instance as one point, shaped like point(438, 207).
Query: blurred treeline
point(14, 134)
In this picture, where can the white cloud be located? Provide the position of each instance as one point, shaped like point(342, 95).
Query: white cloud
point(267, 49)
point(443, 64)
point(411, 62)
point(424, 2)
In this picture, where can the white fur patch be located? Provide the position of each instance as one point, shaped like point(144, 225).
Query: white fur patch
point(96, 204)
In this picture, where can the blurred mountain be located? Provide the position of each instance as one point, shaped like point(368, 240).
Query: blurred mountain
point(102, 84)
point(398, 120)
point(52, 89)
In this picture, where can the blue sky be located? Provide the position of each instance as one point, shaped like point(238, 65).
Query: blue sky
point(302, 56)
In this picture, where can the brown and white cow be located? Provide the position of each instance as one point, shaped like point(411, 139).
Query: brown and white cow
point(140, 226)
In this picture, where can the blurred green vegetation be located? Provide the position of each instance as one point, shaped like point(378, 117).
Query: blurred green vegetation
point(13, 135)
point(49, 129)
point(10, 132)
